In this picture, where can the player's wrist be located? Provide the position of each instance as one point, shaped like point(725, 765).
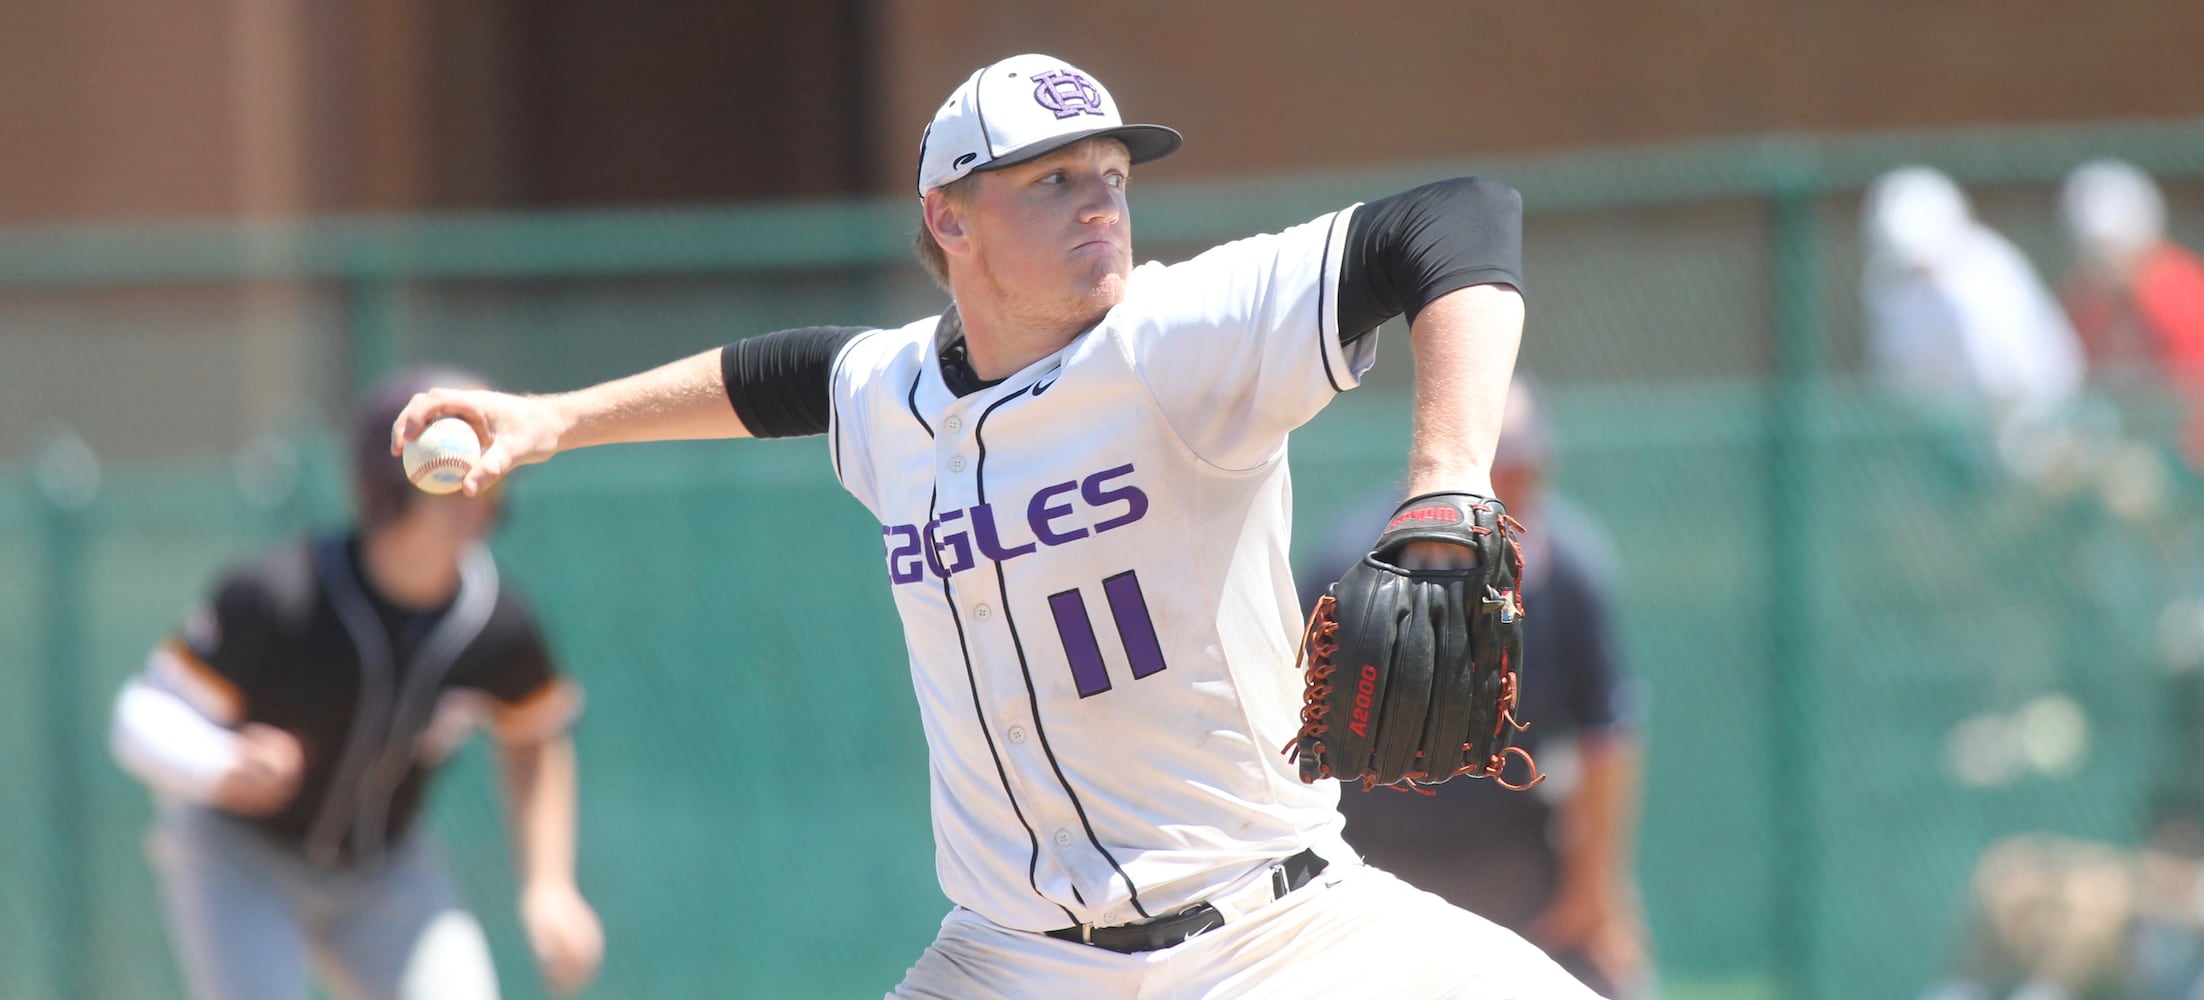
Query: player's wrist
point(542, 888)
point(1476, 481)
point(563, 418)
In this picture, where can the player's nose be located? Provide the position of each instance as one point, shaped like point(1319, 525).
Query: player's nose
point(1101, 201)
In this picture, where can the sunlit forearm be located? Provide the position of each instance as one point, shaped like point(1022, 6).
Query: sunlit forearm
point(1465, 344)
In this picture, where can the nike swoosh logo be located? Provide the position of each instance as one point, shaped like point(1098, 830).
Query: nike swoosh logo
point(1046, 381)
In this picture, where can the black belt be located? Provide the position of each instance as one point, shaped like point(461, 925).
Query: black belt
point(1162, 932)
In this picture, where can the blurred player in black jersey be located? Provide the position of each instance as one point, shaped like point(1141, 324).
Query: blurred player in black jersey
point(289, 728)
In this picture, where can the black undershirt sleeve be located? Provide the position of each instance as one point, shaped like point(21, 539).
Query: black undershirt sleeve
point(244, 620)
point(1407, 250)
point(522, 664)
point(778, 382)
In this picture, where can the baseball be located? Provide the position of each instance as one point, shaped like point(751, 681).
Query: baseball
point(441, 457)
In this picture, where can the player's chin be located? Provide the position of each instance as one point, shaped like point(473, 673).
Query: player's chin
point(464, 518)
point(1106, 290)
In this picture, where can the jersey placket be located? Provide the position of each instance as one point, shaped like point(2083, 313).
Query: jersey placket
point(981, 597)
point(975, 589)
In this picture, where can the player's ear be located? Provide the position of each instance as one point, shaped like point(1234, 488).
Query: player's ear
point(945, 218)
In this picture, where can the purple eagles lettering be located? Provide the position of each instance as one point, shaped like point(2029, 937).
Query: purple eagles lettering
point(1067, 93)
point(1057, 514)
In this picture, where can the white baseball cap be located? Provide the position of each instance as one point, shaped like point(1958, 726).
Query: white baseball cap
point(1915, 215)
point(1021, 108)
point(2112, 208)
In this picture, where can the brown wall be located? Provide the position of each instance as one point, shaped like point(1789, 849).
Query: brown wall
point(103, 114)
point(112, 110)
point(119, 110)
point(647, 102)
point(1312, 83)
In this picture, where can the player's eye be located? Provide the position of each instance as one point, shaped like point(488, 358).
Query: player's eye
point(1052, 177)
point(1118, 180)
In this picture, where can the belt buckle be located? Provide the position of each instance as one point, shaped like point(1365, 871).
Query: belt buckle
point(1086, 934)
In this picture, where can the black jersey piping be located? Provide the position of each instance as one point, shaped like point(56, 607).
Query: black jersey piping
point(1326, 294)
point(911, 400)
point(1002, 773)
point(834, 404)
point(417, 694)
point(834, 412)
point(1025, 668)
point(972, 683)
point(369, 717)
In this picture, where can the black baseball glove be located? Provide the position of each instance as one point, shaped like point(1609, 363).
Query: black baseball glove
point(1412, 674)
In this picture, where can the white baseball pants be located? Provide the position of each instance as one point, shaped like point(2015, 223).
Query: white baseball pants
point(1353, 932)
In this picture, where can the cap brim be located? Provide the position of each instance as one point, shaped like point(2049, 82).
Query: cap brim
point(1144, 142)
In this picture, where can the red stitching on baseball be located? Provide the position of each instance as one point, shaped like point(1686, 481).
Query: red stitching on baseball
point(434, 464)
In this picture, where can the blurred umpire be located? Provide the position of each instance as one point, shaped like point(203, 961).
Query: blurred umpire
point(1553, 864)
point(288, 730)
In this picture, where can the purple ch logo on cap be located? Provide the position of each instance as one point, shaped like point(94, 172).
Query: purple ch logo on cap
point(1067, 93)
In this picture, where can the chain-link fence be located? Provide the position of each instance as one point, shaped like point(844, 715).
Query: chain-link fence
point(1872, 646)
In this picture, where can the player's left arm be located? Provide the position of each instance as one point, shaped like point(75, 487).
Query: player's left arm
point(1245, 342)
point(541, 788)
point(1448, 255)
point(1465, 344)
point(532, 725)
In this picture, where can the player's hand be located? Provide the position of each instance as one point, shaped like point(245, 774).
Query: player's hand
point(1597, 922)
point(1435, 555)
point(266, 775)
point(515, 430)
point(564, 934)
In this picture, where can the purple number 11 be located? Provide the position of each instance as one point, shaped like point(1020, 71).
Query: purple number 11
point(1134, 628)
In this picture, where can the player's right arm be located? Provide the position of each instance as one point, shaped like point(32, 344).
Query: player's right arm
point(769, 386)
point(684, 400)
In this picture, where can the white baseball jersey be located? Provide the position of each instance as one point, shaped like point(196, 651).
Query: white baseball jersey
point(1090, 560)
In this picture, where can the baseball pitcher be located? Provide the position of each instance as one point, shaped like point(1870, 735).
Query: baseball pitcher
point(1079, 471)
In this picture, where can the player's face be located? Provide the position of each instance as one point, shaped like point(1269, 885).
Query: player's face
point(1054, 234)
point(461, 519)
point(1518, 485)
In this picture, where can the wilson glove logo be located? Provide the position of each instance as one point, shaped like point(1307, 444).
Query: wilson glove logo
point(1434, 515)
point(1057, 514)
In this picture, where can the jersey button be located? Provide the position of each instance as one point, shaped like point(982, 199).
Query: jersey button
point(983, 612)
point(1017, 734)
point(956, 464)
point(953, 424)
point(1063, 838)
